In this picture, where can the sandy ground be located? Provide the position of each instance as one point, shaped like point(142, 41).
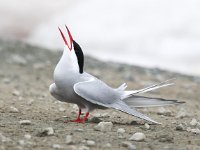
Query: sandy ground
point(25, 75)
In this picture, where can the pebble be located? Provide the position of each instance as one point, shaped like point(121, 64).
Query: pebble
point(25, 122)
point(129, 145)
point(84, 148)
point(27, 136)
point(108, 145)
point(193, 122)
point(69, 139)
point(21, 142)
point(147, 126)
point(56, 146)
point(196, 131)
point(13, 109)
point(46, 132)
point(18, 60)
point(121, 131)
point(163, 111)
point(39, 66)
point(182, 114)
point(4, 139)
point(180, 127)
point(6, 80)
point(104, 126)
point(72, 147)
point(15, 93)
point(90, 143)
point(61, 109)
point(138, 136)
point(79, 130)
point(30, 102)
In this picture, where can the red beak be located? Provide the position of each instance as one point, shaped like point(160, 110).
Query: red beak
point(64, 39)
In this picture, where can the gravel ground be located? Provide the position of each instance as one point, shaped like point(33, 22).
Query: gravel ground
point(31, 119)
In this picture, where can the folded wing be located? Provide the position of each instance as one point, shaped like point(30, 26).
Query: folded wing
point(97, 92)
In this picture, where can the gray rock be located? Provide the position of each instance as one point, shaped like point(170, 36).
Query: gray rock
point(27, 136)
point(180, 127)
point(138, 136)
point(56, 146)
point(69, 139)
point(46, 132)
point(129, 145)
point(13, 109)
point(25, 122)
point(90, 143)
point(121, 131)
point(147, 126)
point(193, 122)
point(104, 126)
point(16, 93)
point(84, 148)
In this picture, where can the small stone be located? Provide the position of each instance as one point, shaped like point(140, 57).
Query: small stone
point(17, 59)
point(163, 111)
point(196, 131)
point(4, 139)
point(138, 136)
point(188, 129)
point(165, 138)
point(84, 148)
point(69, 139)
point(147, 126)
point(13, 109)
point(39, 66)
point(15, 93)
point(182, 114)
point(104, 126)
point(90, 143)
point(129, 145)
point(56, 146)
point(21, 142)
point(180, 127)
point(46, 132)
point(108, 145)
point(30, 102)
point(193, 122)
point(121, 131)
point(61, 109)
point(72, 147)
point(25, 122)
point(79, 130)
point(6, 80)
point(27, 136)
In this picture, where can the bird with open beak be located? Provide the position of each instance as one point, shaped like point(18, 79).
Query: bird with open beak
point(73, 85)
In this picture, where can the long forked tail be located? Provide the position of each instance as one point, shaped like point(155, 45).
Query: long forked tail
point(127, 94)
point(133, 100)
point(141, 101)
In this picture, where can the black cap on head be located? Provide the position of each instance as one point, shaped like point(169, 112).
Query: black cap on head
point(79, 55)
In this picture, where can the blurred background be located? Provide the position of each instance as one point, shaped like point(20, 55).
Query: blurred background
point(149, 33)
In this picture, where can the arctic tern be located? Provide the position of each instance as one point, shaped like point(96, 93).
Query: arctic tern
point(73, 85)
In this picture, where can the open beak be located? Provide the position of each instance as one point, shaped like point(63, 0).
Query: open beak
point(64, 39)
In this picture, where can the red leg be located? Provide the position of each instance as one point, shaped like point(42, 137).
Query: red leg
point(85, 117)
point(78, 119)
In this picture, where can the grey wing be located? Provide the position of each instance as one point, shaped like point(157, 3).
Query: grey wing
point(97, 92)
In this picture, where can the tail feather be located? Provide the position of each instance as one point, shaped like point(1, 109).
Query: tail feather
point(141, 101)
point(120, 105)
point(127, 94)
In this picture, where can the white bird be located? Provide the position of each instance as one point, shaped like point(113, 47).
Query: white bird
point(73, 85)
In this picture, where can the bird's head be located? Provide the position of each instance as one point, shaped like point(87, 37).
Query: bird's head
point(73, 50)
